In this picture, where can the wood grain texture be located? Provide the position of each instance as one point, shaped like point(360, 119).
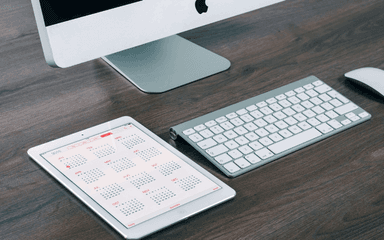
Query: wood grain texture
point(330, 190)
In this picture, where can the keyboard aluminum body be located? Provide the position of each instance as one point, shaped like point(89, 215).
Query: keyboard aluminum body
point(256, 131)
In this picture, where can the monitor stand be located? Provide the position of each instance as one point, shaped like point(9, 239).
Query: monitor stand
point(165, 64)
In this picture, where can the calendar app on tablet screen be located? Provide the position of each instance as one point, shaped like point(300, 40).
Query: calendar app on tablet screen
point(129, 174)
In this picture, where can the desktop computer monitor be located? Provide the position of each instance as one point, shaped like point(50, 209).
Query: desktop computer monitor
point(136, 37)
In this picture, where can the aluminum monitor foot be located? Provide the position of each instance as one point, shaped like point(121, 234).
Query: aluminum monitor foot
point(167, 63)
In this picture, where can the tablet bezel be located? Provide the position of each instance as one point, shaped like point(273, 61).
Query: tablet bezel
point(152, 225)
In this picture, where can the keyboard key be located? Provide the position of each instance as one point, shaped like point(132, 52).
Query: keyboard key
point(304, 125)
point(308, 86)
point(281, 124)
point(299, 90)
point(346, 122)
point(289, 111)
point(332, 93)
point(349, 115)
point(294, 140)
point(335, 124)
point(280, 97)
point(216, 129)
point(346, 108)
point(323, 88)
point(241, 111)
point(280, 115)
point(285, 133)
point(322, 118)
point(230, 134)
point(313, 121)
point(275, 137)
point(227, 125)
point(294, 100)
point(200, 127)
point(342, 98)
point(220, 138)
point(223, 158)
point(217, 150)
point(336, 102)
point(300, 117)
point(266, 141)
point(307, 104)
point(241, 162)
point(316, 101)
point(250, 126)
point(363, 114)
point(237, 121)
point(325, 97)
point(303, 96)
point(189, 131)
point(240, 130)
point(261, 104)
point(231, 115)
point(221, 119)
point(206, 133)
point(210, 123)
point(207, 143)
point(290, 93)
point(261, 132)
point(271, 128)
point(257, 114)
point(251, 108)
point(266, 110)
point(245, 149)
point(327, 106)
point(231, 167)
point(231, 144)
point(298, 108)
point(196, 137)
point(241, 140)
point(276, 107)
point(247, 118)
point(285, 103)
point(331, 114)
point(256, 145)
point(264, 153)
point(309, 113)
point(324, 128)
point(251, 136)
point(294, 129)
point(317, 83)
point(337, 95)
point(271, 100)
point(252, 158)
point(270, 119)
point(318, 109)
point(260, 122)
point(311, 93)
point(290, 120)
point(355, 118)
point(235, 153)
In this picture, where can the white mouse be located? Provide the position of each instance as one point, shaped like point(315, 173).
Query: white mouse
point(368, 76)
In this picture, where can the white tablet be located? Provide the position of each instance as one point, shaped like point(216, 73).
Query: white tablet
point(131, 178)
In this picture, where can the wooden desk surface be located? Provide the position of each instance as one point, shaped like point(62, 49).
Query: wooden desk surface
point(332, 189)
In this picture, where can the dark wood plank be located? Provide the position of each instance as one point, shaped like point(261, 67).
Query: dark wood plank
point(330, 190)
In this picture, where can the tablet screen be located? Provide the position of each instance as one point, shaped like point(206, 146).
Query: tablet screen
point(129, 174)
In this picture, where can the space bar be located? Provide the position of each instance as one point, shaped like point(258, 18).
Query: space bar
point(294, 141)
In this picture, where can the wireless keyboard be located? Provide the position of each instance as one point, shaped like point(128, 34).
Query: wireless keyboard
point(251, 133)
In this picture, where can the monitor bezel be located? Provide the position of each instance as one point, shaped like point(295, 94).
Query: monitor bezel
point(86, 38)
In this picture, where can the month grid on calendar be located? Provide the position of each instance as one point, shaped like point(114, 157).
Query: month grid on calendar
point(129, 174)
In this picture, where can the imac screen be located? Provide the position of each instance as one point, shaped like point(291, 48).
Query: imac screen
point(60, 11)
